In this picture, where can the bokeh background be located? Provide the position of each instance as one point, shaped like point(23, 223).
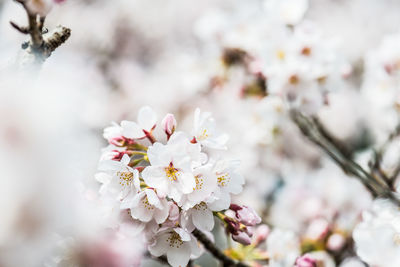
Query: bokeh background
point(242, 60)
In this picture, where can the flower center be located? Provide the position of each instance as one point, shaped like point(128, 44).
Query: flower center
point(223, 179)
point(204, 135)
point(146, 203)
point(171, 172)
point(200, 206)
point(174, 240)
point(199, 182)
point(125, 178)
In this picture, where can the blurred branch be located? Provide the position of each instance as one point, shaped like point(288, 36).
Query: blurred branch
point(40, 46)
point(314, 131)
point(216, 252)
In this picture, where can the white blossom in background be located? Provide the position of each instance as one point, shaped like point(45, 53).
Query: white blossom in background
point(283, 247)
point(289, 12)
point(377, 235)
point(381, 86)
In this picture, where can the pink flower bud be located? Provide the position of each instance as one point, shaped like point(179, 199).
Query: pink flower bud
point(169, 124)
point(246, 215)
point(242, 237)
point(336, 242)
point(305, 261)
point(261, 233)
point(318, 229)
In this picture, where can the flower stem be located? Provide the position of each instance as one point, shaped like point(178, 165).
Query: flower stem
point(150, 136)
point(216, 252)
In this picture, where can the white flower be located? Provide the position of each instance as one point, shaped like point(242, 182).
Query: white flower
point(287, 11)
point(177, 244)
point(377, 237)
point(146, 121)
point(229, 181)
point(146, 205)
point(112, 131)
point(205, 131)
point(170, 172)
point(200, 216)
point(118, 178)
point(206, 184)
point(283, 248)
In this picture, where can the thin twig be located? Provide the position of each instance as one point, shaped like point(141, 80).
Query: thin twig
point(310, 129)
point(40, 46)
point(216, 252)
point(21, 29)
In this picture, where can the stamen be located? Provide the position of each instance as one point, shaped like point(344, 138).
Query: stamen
point(125, 178)
point(223, 179)
point(174, 240)
point(199, 182)
point(172, 173)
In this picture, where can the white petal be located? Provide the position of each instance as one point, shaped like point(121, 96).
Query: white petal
point(159, 155)
point(141, 212)
point(195, 248)
point(221, 203)
point(186, 221)
point(187, 182)
point(103, 177)
point(109, 165)
point(136, 180)
point(235, 184)
point(161, 246)
point(147, 118)
point(125, 159)
point(185, 236)
point(203, 219)
point(153, 198)
point(155, 177)
point(131, 200)
point(160, 215)
point(179, 257)
point(132, 130)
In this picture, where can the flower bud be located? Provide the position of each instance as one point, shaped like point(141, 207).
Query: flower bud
point(305, 261)
point(336, 242)
point(246, 215)
point(242, 238)
point(169, 124)
point(261, 233)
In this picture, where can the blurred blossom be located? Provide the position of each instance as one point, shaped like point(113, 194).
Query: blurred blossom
point(376, 237)
point(224, 76)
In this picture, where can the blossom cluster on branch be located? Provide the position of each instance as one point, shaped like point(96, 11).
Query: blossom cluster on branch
point(173, 184)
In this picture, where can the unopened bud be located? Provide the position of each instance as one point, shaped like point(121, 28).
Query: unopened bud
point(169, 124)
point(305, 261)
point(246, 215)
point(261, 233)
point(242, 238)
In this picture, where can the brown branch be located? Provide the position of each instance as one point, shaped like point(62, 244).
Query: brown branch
point(311, 130)
point(216, 252)
point(41, 46)
point(21, 29)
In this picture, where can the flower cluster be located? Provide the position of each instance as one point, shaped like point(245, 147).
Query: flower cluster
point(171, 188)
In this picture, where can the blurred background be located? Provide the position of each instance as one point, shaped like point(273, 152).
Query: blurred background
point(244, 61)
